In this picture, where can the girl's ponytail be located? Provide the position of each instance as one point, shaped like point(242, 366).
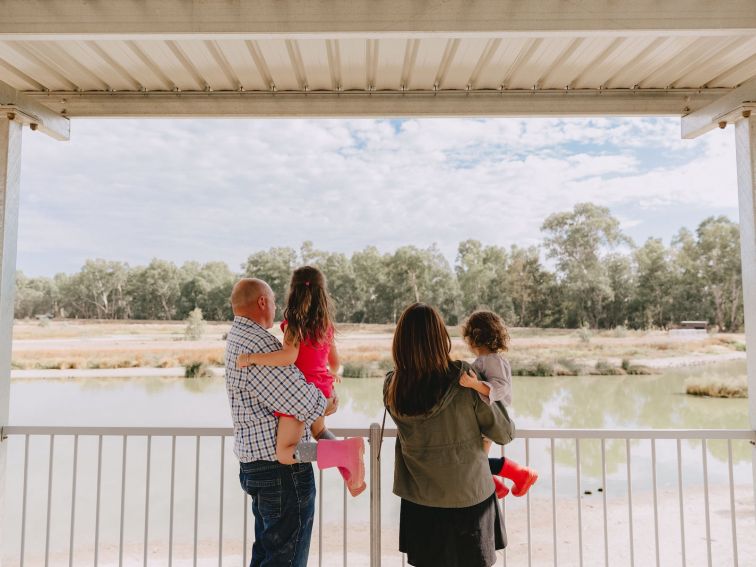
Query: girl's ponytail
point(308, 307)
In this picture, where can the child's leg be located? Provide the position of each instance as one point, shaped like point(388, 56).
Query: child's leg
point(319, 429)
point(345, 454)
point(318, 426)
point(289, 433)
point(523, 477)
point(487, 445)
point(496, 465)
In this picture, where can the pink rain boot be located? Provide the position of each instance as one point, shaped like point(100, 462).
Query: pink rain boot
point(523, 477)
point(348, 456)
point(501, 488)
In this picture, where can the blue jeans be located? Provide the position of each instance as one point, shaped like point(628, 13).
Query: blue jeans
point(283, 504)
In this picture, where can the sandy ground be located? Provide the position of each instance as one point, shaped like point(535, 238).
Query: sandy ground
point(541, 536)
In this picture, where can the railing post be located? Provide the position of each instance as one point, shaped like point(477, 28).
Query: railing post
point(745, 151)
point(375, 495)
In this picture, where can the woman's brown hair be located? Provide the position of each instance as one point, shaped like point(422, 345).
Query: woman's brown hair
point(420, 350)
point(486, 329)
point(308, 307)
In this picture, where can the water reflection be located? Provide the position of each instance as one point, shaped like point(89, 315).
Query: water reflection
point(628, 402)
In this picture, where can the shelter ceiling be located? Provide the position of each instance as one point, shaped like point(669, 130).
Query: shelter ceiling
point(217, 57)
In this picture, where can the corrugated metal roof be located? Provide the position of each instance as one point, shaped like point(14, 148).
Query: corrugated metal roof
point(385, 64)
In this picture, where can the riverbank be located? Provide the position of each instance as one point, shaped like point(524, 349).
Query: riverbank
point(218, 372)
point(159, 349)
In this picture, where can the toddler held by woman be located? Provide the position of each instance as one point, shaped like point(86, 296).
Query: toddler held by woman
point(487, 336)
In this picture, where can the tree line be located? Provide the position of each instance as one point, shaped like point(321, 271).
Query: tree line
point(586, 272)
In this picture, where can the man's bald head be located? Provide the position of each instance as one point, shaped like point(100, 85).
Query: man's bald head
point(254, 299)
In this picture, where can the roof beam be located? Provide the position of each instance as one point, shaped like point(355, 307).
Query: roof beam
point(723, 109)
point(51, 19)
point(37, 115)
point(379, 104)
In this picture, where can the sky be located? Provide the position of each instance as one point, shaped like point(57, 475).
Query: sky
point(206, 190)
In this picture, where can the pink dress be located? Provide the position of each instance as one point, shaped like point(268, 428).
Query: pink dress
point(312, 361)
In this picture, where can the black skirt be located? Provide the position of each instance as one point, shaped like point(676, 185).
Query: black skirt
point(451, 537)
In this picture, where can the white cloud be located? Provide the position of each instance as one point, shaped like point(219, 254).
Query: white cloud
point(220, 189)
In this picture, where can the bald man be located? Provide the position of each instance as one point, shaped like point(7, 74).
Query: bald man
point(283, 496)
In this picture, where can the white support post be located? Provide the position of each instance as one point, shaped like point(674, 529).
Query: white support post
point(745, 148)
point(10, 172)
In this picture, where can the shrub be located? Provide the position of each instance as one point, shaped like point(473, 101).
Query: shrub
point(717, 387)
point(568, 367)
point(639, 370)
point(538, 368)
point(195, 325)
point(197, 369)
point(585, 334)
point(603, 368)
point(619, 331)
point(355, 370)
point(740, 347)
point(385, 364)
point(544, 369)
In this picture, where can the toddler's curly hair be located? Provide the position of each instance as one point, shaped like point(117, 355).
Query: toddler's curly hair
point(486, 329)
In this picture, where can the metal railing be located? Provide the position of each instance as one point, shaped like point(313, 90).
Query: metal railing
point(84, 468)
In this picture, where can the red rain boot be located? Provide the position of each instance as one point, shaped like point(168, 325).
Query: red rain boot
point(523, 477)
point(501, 488)
point(348, 456)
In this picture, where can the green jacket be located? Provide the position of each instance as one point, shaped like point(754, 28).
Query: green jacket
point(439, 455)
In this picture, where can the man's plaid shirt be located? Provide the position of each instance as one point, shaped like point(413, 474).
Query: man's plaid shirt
point(256, 392)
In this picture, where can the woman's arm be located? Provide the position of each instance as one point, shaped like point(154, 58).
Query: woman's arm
point(284, 357)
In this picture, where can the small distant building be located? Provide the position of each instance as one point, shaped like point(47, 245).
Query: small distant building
point(694, 325)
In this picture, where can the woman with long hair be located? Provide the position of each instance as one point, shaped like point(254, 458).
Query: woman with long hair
point(449, 513)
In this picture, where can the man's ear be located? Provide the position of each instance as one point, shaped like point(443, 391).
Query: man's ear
point(261, 301)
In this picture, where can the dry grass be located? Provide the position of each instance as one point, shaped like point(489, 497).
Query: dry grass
point(115, 358)
point(717, 387)
point(73, 328)
point(71, 345)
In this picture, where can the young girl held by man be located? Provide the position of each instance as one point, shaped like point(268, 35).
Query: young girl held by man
point(308, 343)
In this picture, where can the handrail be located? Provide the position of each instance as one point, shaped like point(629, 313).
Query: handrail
point(540, 433)
point(373, 433)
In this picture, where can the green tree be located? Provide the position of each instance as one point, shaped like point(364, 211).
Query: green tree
point(483, 278)
point(35, 296)
point(719, 257)
point(375, 301)
point(530, 287)
point(653, 299)
point(578, 241)
point(155, 290)
point(274, 266)
point(98, 291)
point(688, 301)
point(421, 275)
point(622, 283)
point(207, 287)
